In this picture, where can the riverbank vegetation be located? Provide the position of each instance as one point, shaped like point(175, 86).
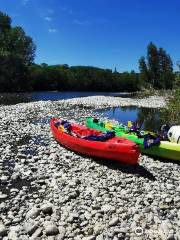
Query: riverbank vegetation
point(172, 113)
point(81, 78)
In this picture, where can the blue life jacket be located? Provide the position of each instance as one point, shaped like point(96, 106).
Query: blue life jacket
point(103, 137)
point(150, 140)
point(65, 123)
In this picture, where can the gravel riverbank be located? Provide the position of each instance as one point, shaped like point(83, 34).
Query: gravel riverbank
point(103, 101)
point(49, 192)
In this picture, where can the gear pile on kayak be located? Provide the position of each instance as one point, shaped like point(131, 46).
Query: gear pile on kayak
point(150, 143)
point(94, 143)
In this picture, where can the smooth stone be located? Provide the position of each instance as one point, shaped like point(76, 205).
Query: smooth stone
point(107, 208)
point(3, 196)
point(98, 228)
point(169, 186)
point(177, 199)
point(114, 221)
point(163, 206)
point(12, 235)
point(123, 230)
point(36, 234)
point(168, 200)
point(4, 178)
point(16, 220)
point(51, 230)
point(33, 213)
point(178, 214)
point(62, 229)
point(14, 190)
point(164, 227)
point(47, 208)
point(128, 180)
point(150, 217)
point(62, 232)
point(89, 238)
point(100, 237)
point(171, 237)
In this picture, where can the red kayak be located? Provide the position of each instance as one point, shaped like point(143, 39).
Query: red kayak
point(94, 143)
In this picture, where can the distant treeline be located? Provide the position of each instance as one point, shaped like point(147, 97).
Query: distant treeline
point(81, 78)
point(18, 72)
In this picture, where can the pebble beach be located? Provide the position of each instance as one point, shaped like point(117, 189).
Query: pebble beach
point(49, 192)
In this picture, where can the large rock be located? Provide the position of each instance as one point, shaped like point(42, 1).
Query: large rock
point(51, 229)
point(33, 213)
point(47, 208)
point(113, 221)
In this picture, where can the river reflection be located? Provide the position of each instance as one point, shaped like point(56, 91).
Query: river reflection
point(147, 118)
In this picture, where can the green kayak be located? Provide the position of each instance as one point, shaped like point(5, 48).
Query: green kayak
point(165, 149)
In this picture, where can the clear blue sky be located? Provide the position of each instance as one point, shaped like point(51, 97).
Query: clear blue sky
point(102, 33)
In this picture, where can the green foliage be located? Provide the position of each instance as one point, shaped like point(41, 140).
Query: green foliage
point(81, 78)
point(172, 113)
point(143, 76)
point(153, 64)
point(166, 75)
point(5, 22)
point(177, 79)
point(17, 52)
point(157, 69)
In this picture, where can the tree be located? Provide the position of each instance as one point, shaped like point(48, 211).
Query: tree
point(153, 64)
point(17, 52)
point(5, 22)
point(143, 76)
point(157, 68)
point(176, 83)
point(166, 70)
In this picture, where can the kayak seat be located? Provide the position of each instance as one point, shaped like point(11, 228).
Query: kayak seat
point(81, 133)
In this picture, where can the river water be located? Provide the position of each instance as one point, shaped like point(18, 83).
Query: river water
point(147, 118)
point(13, 98)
